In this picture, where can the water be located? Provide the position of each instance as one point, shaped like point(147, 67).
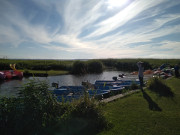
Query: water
point(10, 87)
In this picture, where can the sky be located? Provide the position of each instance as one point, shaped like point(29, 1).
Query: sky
point(89, 29)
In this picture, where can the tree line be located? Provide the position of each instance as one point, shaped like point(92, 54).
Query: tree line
point(87, 66)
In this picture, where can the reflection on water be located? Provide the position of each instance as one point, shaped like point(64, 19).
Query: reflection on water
point(10, 87)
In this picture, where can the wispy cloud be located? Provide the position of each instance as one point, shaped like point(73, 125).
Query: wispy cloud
point(96, 28)
point(123, 16)
point(18, 29)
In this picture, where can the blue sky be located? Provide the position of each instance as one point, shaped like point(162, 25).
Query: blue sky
point(89, 29)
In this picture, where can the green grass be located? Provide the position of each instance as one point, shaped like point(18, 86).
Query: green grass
point(36, 64)
point(57, 72)
point(145, 113)
point(49, 72)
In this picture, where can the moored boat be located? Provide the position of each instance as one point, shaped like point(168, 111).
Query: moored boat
point(98, 93)
point(100, 89)
point(122, 83)
point(11, 74)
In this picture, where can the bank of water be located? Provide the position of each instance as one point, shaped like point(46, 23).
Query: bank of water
point(11, 87)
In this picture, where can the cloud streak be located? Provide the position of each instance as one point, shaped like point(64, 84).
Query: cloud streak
point(136, 28)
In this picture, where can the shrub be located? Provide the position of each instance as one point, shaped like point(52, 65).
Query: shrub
point(109, 62)
point(30, 113)
point(134, 86)
point(79, 67)
point(159, 86)
point(95, 67)
point(87, 117)
point(126, 66)
point(26, 71)
point(36, 111)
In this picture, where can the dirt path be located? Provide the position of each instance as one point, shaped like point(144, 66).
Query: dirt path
point(110, 99)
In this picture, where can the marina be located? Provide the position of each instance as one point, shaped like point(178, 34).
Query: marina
point(11, 87)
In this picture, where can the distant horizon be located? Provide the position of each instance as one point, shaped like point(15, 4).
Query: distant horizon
point(83, 29)
point(90, 59)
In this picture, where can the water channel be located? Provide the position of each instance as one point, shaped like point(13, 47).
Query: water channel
point(10, 87)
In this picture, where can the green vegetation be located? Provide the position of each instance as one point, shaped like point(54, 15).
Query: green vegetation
point(37, 64)
point(36, 111)
point(49, 72)
point(146, 112)
point(130, 64)
point(93, 66)
point(79, 67)
point(159, 86)
point(134, 86)
point(83, 67)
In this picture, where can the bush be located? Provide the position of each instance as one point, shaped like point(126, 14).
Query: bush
point(30, 113)
point(36, 111)
point(109, 62)
point(79, 67)
point(159, 86)
point(126, 66)
point(95, 67)
point(134, 86)
point(86, 117)
point(26, 71)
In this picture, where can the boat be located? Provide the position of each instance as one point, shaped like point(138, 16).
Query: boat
point(98, 93)
point(69, 93)
point(11, 74)
point(69, 90)
point(76, 90)
point(115, 89)
point(104, 85)
point(146, 72)
point(99, 90)
point(122, 83)
point(60, 91)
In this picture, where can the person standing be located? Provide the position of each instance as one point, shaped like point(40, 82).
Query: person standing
point(140, 73)
point(176, 68)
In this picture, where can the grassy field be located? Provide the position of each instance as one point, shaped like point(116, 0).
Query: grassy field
point(145, 113)
point(36, 64)
point(49, 72)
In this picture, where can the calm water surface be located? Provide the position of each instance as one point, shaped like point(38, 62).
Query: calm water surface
point(10, 87)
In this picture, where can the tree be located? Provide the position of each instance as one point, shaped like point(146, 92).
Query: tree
point(95, 67)
point(79, 67)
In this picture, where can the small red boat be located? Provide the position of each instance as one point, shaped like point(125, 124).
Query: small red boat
point(10, 74)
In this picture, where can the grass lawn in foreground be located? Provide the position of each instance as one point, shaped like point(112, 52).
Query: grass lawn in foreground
point(145, 113)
